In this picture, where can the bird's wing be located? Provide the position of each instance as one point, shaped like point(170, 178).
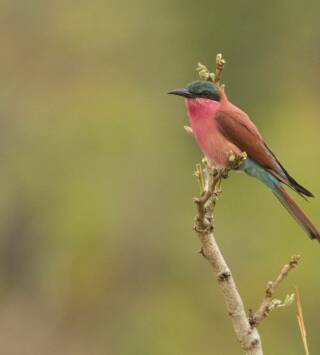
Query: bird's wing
point(236, 126)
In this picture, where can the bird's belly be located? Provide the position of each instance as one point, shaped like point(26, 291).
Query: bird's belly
point(213, 144)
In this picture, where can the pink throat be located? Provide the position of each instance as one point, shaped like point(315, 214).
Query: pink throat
point(200, 108)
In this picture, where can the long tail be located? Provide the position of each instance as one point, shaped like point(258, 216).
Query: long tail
point(257, 171)
point(296, 212)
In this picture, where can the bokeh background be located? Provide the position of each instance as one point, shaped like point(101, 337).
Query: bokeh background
point(97, 251)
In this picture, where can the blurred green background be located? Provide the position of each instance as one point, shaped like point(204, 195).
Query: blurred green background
point(97, 251)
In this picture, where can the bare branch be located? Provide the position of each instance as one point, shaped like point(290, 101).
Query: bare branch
point(247, 335)
point(268, 303)
point(204, 73)
point(188, 129)
point(220, 63)
point(215, 77)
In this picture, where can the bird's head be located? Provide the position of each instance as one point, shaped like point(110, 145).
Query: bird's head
point(199, 89)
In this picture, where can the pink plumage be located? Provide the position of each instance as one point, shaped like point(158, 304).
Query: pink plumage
point(220, 128)
point(215, 146)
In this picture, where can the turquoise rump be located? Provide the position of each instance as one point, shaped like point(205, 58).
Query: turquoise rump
point(255, 170)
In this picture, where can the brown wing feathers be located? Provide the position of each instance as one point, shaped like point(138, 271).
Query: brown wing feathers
point(239, 130)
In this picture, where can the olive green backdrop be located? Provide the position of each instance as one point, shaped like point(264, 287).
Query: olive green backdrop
point(97, 251)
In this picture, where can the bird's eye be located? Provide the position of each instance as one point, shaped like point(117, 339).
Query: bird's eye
point(206, 93)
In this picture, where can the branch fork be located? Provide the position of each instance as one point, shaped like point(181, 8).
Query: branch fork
point(268, 303)
point(245, 326)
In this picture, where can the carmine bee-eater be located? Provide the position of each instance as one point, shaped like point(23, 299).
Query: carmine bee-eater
point(220, 127)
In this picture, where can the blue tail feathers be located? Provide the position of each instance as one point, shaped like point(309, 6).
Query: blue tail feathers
point(257, 171)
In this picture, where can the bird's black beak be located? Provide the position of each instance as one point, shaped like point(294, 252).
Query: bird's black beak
point(182, 92)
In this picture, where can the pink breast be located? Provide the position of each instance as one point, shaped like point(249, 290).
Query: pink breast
point(212, 143)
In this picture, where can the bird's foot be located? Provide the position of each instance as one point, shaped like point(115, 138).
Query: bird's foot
point(236, 160)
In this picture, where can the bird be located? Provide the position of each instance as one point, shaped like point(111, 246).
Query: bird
point(220, 128)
